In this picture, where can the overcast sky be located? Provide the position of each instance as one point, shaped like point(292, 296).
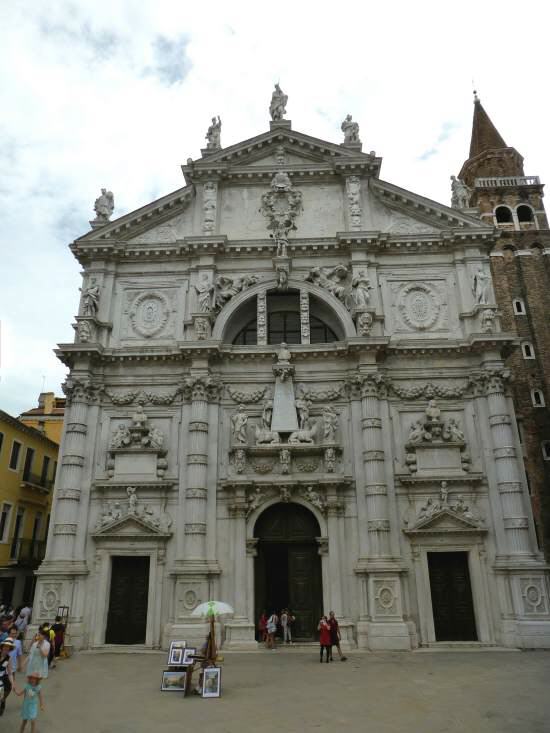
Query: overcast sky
point(119, 93)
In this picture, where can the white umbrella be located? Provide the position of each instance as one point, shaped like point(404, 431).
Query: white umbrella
point(212, 608)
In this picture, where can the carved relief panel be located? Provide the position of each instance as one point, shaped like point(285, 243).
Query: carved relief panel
point(417, 304)
point(151, 313)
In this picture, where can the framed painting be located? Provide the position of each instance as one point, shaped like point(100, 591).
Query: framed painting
point(212, 682)
point(173, 681)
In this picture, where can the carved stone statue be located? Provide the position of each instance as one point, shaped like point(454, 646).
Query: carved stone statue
point(121, 437)
point(360, 289)
point(116, 511)
point(90, 300)
point(285, 494)
point(139, 418)
point(156, 438)
point(202, 328)
point(283, 355)
point(331, 278)
point(209, 204)
point(364, 323)
point(314, 498)
point(480, 287)
point(444, 494)
point(433, 413)
point(277, 108)
point(255, 500)
point(132, 500)
point(353, 192)
point(213, 134)
point(330, 423)
point(281, 182)
point(267, 414)
point(455, 432)
point(227, 287)
point(460, 194)
point(350, 130)
point(205, 292)
point(302, 408)
point(303, 436)
point(104, 206)
point(488, 320)
point(239, 421)
point(84, 331)
point(416, 432)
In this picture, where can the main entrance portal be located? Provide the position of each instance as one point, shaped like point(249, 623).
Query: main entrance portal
point(288, 566)
point(127, 616)
point(452, 603)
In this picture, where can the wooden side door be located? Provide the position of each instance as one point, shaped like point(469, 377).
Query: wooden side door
point(128, 601)
point(452, 603)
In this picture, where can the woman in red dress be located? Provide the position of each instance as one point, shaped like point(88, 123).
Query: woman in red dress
point(324, 637)
point(262, 626)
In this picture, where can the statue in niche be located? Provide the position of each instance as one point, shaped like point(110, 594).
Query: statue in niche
point(202, 328)
point(213, 134)
point(239, 422)
point(205, 292)
point(104, 206)
point(267, 414)
point(350, 130)
point(360, 289)
point(277, 108)
point(121, 437)
point(480, 287)
point(460, 194)
point(488, 320)
point(330, 423)
point(364, 323)
point(132, 500)
point(90, 302)
point(302, 408)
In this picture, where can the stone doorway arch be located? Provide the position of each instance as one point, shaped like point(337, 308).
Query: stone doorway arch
point(287, 567)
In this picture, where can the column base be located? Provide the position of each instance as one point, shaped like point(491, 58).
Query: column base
point(384, 636)
point(240, 635)
point(347, 628)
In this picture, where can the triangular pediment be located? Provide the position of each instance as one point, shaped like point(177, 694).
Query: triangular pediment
point(447, 520)
point(130, 526)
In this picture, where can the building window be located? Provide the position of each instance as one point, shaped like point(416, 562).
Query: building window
point(1, 441)
point(285, 326)
point(524, 213)
point(5, 521)
point(528, 350)
point(545, 445)
point(17, 531)
point(45, 469)
point(15, 452)
point(503, 215)
point(27, 467)
point(537, 398)
point(519, 307)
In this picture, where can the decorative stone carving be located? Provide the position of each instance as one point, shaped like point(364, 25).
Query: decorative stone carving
point(239, 422)
point(364, 323)
point(285, 494)
point(353, 193)
point(306, 466)
point(330, 424)
point(350, 130)
point(201, 325)
point(281, 205)
point(322, 395)
point(205, 293)
point(90, 299)
point(302, 408)
point(480, 286)
point(247, 397)
point(84, 331)
point(360, 286)
point(283, 368)
point(209, 205)
point(427, 390)
point(489, 381)
point(255, 500)
point(315, 499)
point(143, 398)
point(261, 318)
point(277, 108)
point(444, 436)
point(433, 428)
point(263, 467)
point(263, 436)
point(330, 460)
point(385, 597)
point(149, 313)
point(213, 134)
point(303, 436)
point(281, 263)
point(136, 437)
point(280, 155)
point(304, 316)
point(332, 279)
point(267, 414)
point(284, 460)
point(227, 287)
point(488, 318)
point(433, 508)
point(418, 305)
point(114, 512)
point(201, 388)
point(460, 193)
point(533, 594)
point(50, 599)
point(104, 206)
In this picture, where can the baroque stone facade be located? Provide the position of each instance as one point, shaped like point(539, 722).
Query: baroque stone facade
point(287, 365)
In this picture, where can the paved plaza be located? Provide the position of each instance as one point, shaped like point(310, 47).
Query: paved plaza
point(288, 690)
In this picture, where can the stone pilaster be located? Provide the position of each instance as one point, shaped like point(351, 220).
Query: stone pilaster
point(240, 630)
point(261, 317)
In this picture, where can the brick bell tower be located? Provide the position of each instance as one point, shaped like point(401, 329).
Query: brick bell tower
point(500, 193)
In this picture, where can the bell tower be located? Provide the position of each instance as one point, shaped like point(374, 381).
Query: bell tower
point(493, 183)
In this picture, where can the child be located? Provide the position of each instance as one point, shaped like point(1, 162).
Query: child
point(32, 696)
point(324, 637)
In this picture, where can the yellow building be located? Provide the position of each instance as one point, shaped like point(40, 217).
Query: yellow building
point(47, 417)
point(28, 463)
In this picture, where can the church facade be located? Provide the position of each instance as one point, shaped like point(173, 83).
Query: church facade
point(288, 389)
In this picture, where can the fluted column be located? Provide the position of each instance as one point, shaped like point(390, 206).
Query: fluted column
point(376, 490)
point(61, 543)
point(197, 390)
point(238, 511)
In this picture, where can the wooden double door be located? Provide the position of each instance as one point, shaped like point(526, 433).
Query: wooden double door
point(453, 608)
point(288, 567)
point(128, 600)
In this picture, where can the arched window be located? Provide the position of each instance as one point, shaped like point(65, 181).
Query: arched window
point(524, 213)
point(519, 307)
point(285, 326)
point(503, 215)
point(537, 398)
point(528, 350)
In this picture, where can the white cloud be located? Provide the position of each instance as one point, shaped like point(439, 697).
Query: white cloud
point(118, 94)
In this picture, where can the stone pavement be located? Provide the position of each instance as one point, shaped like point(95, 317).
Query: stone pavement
point(288, 691)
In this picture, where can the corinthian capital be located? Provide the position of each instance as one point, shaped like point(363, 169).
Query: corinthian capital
point(368, 385)
point(491, 381)
point(80, 389)
point(203, 388)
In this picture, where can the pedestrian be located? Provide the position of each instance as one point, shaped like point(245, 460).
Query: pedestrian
point(17, 654)
point(6, 672)
point(324, 637)
point(59, 635)
point(32, 695)
point(286, 621)
point(262, 626)
point(271, 629)
point(335, 636)
point(51, 638)
point(21, 622)
point(37, 661)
